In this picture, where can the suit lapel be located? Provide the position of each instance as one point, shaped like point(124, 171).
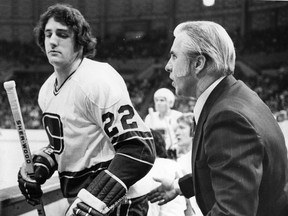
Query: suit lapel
point(215, 94)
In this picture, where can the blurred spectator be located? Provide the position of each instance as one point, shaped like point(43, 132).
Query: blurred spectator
point(164, 118)
point(184, 135)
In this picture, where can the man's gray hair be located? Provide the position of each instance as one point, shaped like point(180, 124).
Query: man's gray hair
point(211, 40)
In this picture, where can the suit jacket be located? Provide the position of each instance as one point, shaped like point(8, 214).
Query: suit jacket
point(239, 158)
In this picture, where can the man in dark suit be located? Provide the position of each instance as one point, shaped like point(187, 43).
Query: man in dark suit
point(239, 157)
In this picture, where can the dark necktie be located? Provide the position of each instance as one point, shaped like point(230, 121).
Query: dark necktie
point(194, 126)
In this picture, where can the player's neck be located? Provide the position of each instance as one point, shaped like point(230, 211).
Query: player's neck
point(62, 72)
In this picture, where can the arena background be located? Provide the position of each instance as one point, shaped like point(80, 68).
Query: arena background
point(135, 37)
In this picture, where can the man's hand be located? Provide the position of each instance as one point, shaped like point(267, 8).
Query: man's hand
point(165, 192)
point(29, 187)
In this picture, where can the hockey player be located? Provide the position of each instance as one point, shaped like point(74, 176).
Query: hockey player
point(97, 141)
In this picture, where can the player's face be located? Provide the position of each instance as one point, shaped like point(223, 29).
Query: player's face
point(180, 68)
point(161, 104)
point(183, 134)
point(59, 44)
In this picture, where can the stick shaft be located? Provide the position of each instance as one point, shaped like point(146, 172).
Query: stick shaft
point(10, 88)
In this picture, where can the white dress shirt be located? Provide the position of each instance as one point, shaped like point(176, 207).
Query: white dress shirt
point(203, 97)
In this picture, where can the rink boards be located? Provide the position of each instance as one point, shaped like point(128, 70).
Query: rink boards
point(12, 202)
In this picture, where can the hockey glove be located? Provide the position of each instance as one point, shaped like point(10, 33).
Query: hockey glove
point(29, 187)
point(102, 196)
point(44, 167)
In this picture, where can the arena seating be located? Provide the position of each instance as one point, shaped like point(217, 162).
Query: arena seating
point(131, 57)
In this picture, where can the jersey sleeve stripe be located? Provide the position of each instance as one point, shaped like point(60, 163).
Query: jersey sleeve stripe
point(132, 135)
point(86, 171)
point(136, 159)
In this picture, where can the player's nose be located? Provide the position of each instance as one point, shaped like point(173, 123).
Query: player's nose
point(53, 40)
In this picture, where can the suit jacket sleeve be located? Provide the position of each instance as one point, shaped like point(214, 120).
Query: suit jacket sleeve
point(186, 185)
point(234, 154)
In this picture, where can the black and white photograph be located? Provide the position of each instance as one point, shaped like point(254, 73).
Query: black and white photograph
point(143, 107)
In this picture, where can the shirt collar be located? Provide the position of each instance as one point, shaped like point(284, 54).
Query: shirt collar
point(203, 97)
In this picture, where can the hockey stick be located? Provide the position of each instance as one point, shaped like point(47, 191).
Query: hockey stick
point(10, 88)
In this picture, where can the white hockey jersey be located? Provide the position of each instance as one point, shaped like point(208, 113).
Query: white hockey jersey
point(89, 121)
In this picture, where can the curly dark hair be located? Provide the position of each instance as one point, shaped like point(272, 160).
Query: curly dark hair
point(67, 15)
